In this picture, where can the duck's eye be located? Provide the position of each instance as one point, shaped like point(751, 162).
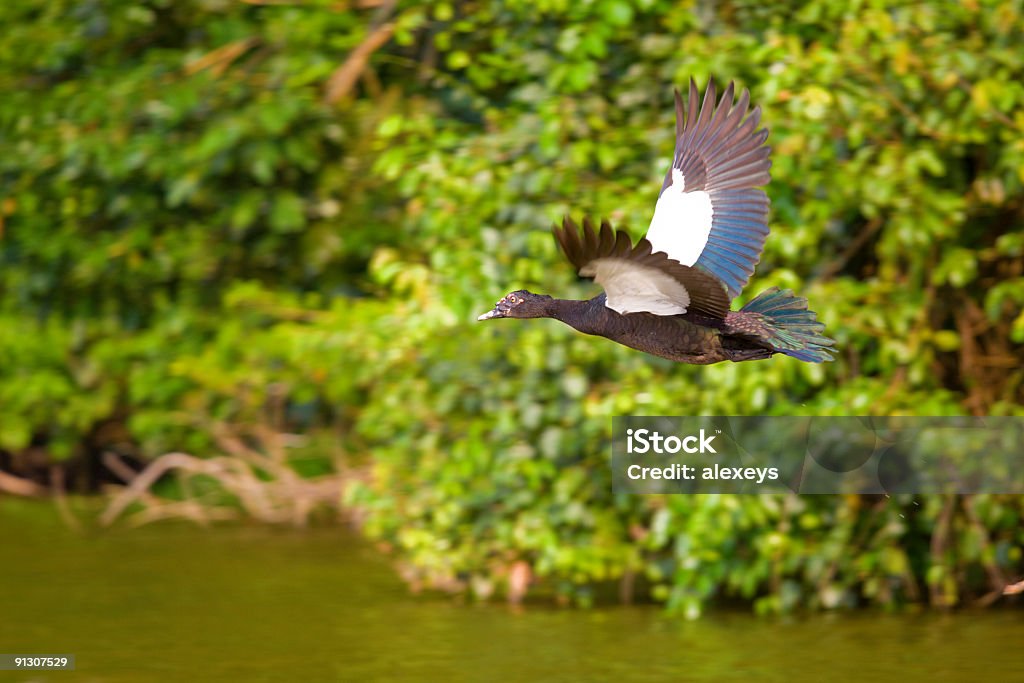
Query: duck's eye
point(511, 299)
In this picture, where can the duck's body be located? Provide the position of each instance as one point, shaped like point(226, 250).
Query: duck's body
point(691, 338)
point(678, 337)
point(687, 338)
point(669, 295)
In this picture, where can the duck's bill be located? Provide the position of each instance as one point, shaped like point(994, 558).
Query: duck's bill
point(491, 314)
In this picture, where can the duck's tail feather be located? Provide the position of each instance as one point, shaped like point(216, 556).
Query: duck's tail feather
point(780, 319)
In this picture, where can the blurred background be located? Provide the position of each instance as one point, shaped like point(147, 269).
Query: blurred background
point(242, 247)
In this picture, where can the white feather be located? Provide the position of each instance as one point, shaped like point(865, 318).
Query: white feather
point(682, 221)
point(631, 288)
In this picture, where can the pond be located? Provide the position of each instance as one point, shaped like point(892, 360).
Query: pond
point(179, 602)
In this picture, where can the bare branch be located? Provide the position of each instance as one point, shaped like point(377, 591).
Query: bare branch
point(20, 487)
point(345, 76)
point(217, 61)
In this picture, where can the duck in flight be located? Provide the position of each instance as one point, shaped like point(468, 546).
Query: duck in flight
point(670, 293)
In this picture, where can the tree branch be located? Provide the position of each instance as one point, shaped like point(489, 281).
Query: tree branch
point(345, 76)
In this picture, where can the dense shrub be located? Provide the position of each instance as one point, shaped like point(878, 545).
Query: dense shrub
point(193, 234)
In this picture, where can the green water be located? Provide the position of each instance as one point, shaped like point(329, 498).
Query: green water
point(175, 602)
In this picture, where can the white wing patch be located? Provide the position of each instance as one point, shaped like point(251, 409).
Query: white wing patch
point(682, 221)
point(631, 288)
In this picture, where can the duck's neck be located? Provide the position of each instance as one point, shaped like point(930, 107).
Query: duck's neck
point(584, 316)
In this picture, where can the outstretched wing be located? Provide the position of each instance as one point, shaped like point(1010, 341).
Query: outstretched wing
point(637, 279)
point(710, 212)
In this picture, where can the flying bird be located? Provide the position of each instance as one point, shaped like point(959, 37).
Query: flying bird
point(670, 293)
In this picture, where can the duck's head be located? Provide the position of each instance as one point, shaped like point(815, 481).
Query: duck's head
point(519, 304)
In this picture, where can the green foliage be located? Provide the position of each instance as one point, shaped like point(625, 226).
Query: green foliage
point(190, 235)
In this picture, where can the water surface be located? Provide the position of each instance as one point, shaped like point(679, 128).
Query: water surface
point(178, 602)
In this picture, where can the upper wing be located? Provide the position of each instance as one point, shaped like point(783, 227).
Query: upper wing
point(637, 279)
point(710, 212)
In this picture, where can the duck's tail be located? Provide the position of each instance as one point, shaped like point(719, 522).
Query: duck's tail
point(780, 319)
